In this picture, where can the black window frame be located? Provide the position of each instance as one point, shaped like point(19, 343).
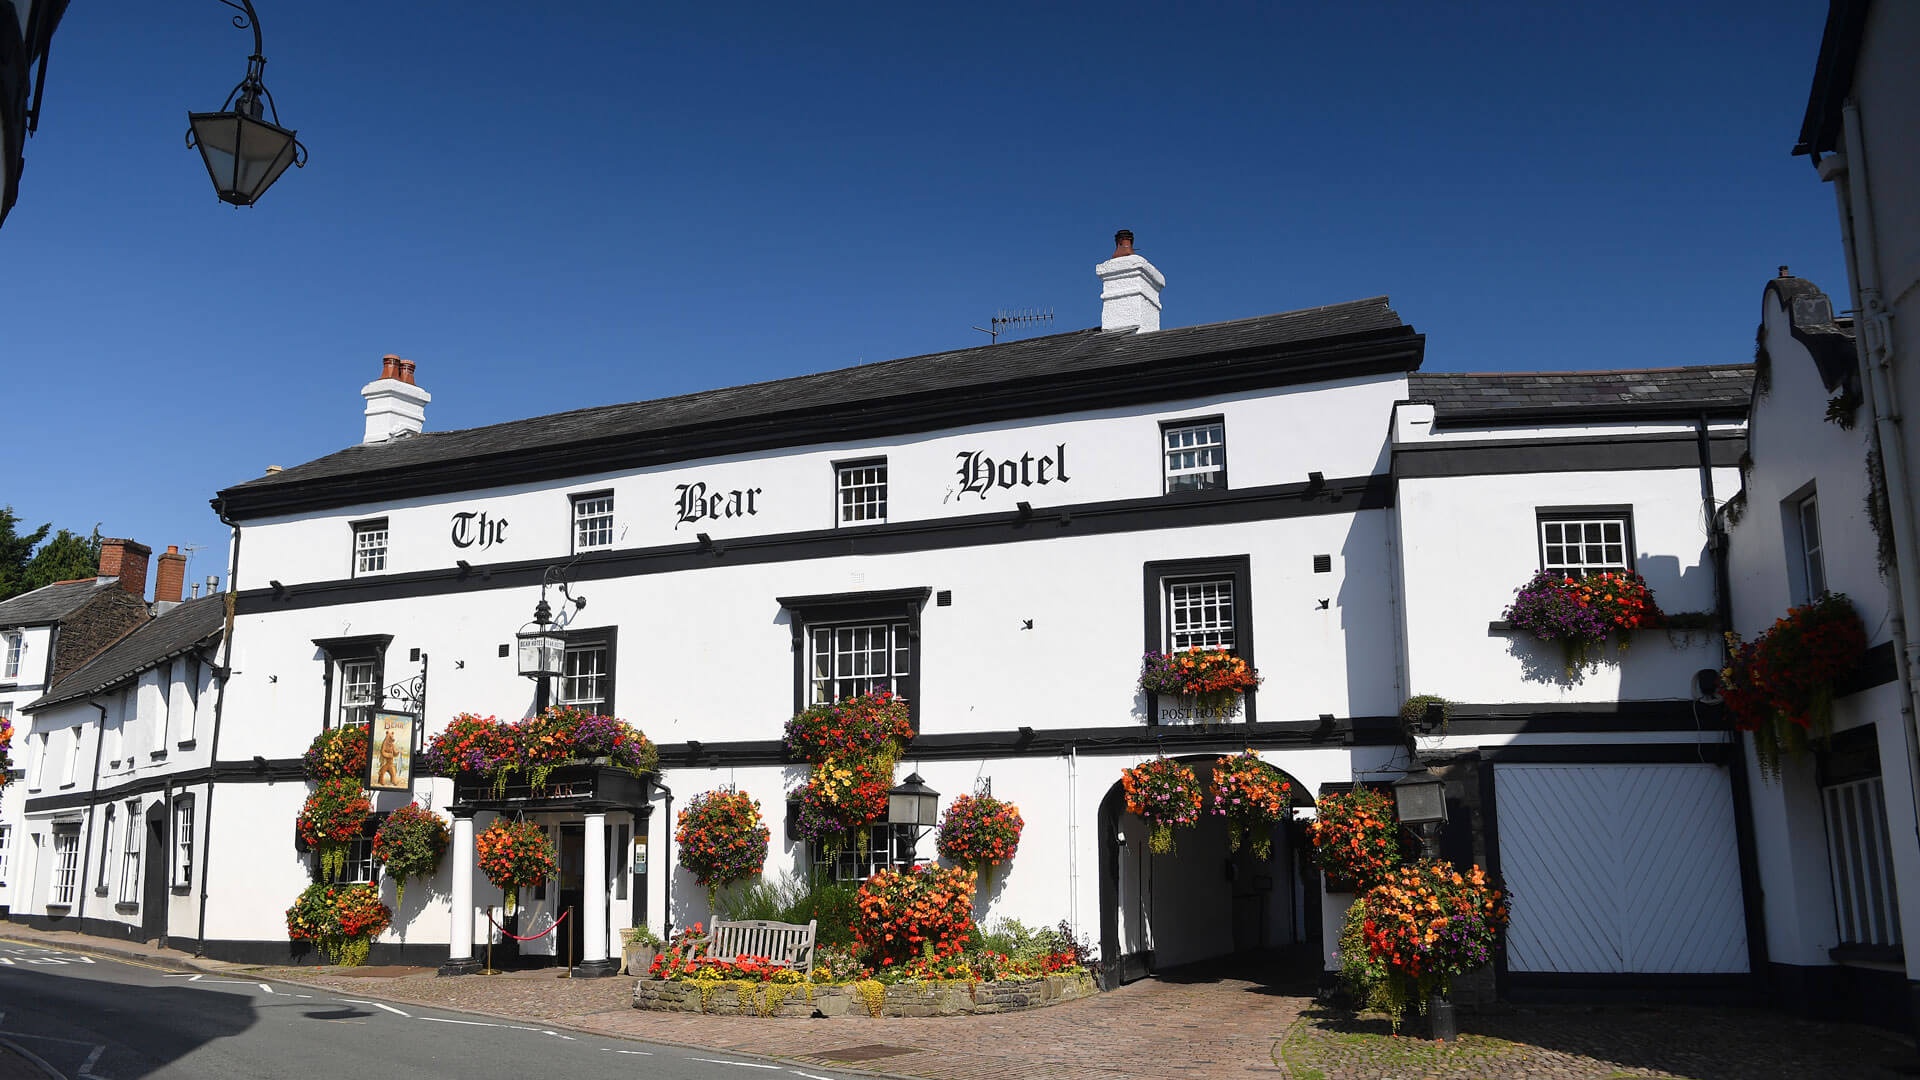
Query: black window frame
point(573, 520)
point(1166, 481)
point(587, 637)
point(837, 609)
point(334, 652)
point(1157, 575)
point(1623, 511)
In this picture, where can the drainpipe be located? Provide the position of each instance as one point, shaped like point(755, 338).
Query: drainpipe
point(1751, 900)
point(224, 673)
point(667, 859)
point(93, 794)
point(1873, 343)
point(1073, 837)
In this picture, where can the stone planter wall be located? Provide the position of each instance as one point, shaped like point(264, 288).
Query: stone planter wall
point(901, 999)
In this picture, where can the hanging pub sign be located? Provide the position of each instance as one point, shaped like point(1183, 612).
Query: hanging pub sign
point(390, 751)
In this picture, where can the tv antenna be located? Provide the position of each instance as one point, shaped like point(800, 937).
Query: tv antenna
point(1022, 317)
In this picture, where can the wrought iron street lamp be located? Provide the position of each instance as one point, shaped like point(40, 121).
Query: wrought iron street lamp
point(542, 648)
point(245, 153)
point(1420, 799)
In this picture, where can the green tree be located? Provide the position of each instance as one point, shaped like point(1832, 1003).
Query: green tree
point(26, 563)
point(65, 557)
point(16, 551)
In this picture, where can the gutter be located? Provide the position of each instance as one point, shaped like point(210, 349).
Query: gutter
point(223, 672)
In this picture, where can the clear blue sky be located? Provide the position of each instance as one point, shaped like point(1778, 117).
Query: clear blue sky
point(549, 206)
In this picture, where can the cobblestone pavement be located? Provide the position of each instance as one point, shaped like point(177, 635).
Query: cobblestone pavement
point(1203, 1028)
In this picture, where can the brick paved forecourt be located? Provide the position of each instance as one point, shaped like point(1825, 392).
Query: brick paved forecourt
point(1205, 1029)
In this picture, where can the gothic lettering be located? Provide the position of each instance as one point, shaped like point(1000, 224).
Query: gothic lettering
point(476, 529)
point(694, 503)
point(980, 474)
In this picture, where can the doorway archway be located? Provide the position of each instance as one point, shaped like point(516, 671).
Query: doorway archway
point(1202, 903)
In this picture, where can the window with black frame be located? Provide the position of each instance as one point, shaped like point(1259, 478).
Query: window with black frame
point(848, 644)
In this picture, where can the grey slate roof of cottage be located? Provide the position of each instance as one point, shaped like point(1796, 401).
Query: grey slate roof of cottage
point(51, 603)
point(1568, 396)
point(171, 633)
point(873, 387)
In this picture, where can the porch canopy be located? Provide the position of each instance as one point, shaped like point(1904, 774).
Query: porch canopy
point(590, 790)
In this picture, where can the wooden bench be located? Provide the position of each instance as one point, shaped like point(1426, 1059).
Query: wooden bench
point(783, 944)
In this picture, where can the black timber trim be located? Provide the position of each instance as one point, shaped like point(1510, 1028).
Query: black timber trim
point(1387, 351)
point(1680, 988)
point(1155, 576)
point(226, 772)
point(1877, 668)
point(587, 636)
point(1213, 507)
point(1821, 127)
point(1681, 753)
point(1585, 453)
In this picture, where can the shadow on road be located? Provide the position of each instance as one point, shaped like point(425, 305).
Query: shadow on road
point(62, 1015)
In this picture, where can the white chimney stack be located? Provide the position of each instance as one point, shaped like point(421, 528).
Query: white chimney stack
point(395, 406)
point(1129, 288)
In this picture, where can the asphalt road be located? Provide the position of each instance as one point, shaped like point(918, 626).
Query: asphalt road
point(94, 1018)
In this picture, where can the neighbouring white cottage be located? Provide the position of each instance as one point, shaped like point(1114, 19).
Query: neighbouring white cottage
point(998, 534)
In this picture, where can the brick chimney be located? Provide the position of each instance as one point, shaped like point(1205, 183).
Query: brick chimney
point(395, 406)
point(127, 561)
point(1129, 288)
point(170, 577)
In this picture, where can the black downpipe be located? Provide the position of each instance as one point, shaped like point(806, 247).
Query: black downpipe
point(1752, 901)
point(93, 794)
point(223, 673)
point(666, 860)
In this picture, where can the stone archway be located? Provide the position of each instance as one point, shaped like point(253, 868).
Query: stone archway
point(1200, 903)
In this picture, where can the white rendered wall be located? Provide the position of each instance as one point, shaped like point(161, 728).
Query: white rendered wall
point(1337, 428)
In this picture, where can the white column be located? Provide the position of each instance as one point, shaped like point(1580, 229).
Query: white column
point(460, 930)
point(593, 928)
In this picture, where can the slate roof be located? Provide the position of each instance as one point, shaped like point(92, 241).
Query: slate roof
point(51, 603)
point(874, 389)
point(170, 634)
point(1561, 397)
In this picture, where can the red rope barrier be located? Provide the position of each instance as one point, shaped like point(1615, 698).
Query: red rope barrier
point(532, 937)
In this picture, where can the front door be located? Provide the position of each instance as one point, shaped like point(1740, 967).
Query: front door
point(153, 890)
point(573, 859)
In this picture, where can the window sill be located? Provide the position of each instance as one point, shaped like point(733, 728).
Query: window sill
point(187, 744)
point(68, 786)
point(1874, 956)
point(59, 909)
point(126, 907)
point(100, 890)
point(157, 755)
point(182, 890)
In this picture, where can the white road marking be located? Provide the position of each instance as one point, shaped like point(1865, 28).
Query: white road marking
point(808, 1075)
point(189, 978)
point(391, 1009)
point(86, 1067)
point(642, 1053)
point(468, 1023)
point(742, 1064)
point(265, 987)
point(555, 1034)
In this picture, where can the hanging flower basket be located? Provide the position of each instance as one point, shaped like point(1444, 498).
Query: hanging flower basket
point(515, 855)
point(1253, 797)
point(1166, 795)
point(6, 751)
point(497, 751)
point(409, 844)
point(1780, 685)
point(341, 920)
point(338, 752)
point(978, 833)
point(721, 839)
point(1213, 679)
point(479, 745)
point(1355, 837)
point(1583, 613)
point(333, 818)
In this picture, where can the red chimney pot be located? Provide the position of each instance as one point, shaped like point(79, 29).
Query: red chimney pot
point(406, 372)
point(1123, 243)
point(389, 366)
